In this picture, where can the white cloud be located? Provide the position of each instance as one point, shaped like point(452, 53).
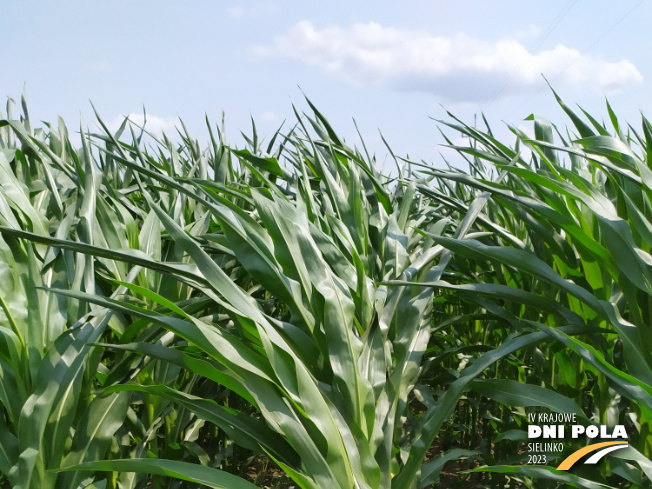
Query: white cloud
point(153, 124)
point(457, 68)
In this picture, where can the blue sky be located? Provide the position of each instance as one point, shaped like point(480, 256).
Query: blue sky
point(389, 65)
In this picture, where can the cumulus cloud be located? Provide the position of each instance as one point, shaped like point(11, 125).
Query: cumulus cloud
point(457, 68)
point(155, 125)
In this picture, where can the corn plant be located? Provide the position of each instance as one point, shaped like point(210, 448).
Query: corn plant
point(48, 412)
point(566, 246)
point(51, 413)
point(171, 314)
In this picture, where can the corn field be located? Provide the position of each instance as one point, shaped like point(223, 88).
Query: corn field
point(286, 315)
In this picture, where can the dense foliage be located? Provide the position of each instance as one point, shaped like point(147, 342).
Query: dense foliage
point(285, 315)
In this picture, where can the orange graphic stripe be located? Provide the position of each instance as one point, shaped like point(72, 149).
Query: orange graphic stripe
point(575, 456)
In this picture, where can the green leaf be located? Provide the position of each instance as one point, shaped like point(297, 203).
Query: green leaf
point(431, 469)
point(547, 473)
point(214, 478)
point(515, 393)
